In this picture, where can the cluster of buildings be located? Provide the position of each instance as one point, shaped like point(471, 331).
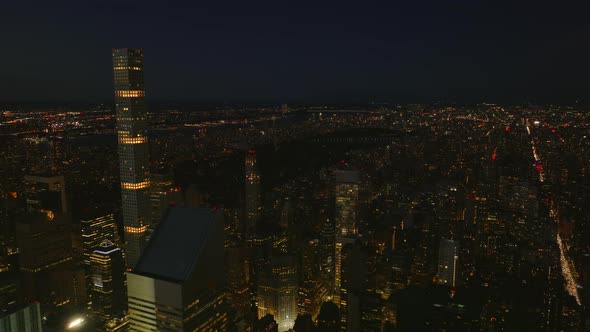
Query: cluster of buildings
point(422, 218)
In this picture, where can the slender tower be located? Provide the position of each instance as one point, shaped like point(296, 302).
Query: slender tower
point(252, 192)
point(133, 148)
point(347, 194)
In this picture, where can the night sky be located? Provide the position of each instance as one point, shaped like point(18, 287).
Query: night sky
point(404, 51)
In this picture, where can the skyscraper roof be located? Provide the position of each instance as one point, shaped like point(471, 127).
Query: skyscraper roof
point(177, 243)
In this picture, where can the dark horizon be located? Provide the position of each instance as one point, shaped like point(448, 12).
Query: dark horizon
point(405, 53)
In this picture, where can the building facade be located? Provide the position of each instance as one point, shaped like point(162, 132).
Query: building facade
point(447, 262)
point(108, 281)
point(179, 282)
point(133, 148)
point(347, 195)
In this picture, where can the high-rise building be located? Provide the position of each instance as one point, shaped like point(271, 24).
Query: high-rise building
point(347, 192)
point(133, 148)
point(238, 278)
point(277, 292)
point(95, 230)
point(327, 257)
point(23, 319)
point(179, 283)
point(108, 281)
point(46, 193)
point(347, 195)
point(352, 276)
point(10, 208)
point(9, 291)
point(45, 245)
point(447, 262)
point(252, 189)
point(311, 289)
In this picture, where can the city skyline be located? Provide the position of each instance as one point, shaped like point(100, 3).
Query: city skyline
point(438, 190)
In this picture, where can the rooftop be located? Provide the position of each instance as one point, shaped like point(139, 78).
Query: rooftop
point(177, 243)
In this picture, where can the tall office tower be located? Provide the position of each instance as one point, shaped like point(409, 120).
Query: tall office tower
point(95, 230)
point(238, 278)
point(352, 276)
point(10, 209)
point(133, 148)
point(46, 193)
point(9, 291)
point(252, 189)
point(423, 269)
point(108, 291)
point(179, 283)
point(287, 214)
point(347, 192)
point(277, 292)
point(24, 319)
point(347, 195)
point(447, 262)
point(311, 290)
point(45, 245)
point(327, 258)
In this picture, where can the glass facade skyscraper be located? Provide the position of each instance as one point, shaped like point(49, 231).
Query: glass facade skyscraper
point(133, 148)
point(347, 192)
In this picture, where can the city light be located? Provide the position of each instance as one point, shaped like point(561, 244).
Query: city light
point(75, 323)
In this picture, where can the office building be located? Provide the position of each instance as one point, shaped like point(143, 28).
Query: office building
point(311, 289)
point(447, 262)
point(277, 292)
point(9, 291)
point(26, 318)
point(108, 281)
point(352, 277)
point(347, 195)
point(133, 149)
point(327, 254)
point(45, 258)
point(95, 230)
point(347, 192)
point(252, 189)
point(46, 193)
point(179, 283)
point(238, 278)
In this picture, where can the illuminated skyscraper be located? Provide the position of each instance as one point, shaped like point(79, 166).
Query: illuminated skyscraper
point(179, 283)
point(95, 231)
point(108, 281)
point(347, 192)
point(447, 262)
point(252, 188)
point(277, 292)
point(238, 278)
point(133, 148)
point(327, 257)
point(311, 290)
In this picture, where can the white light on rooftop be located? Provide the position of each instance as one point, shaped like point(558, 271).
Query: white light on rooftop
point(77, 322)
